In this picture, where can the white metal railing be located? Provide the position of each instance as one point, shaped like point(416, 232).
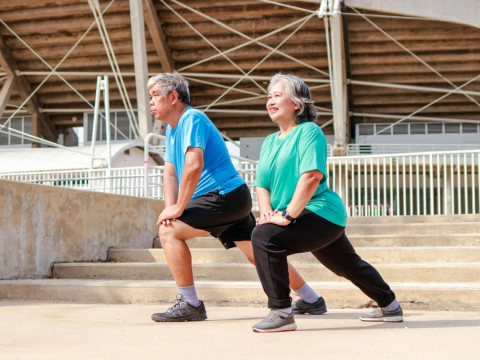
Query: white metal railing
point(379, 149)
point(247, 169)
point(120, 181)
point(436, 183)
point(329, 150)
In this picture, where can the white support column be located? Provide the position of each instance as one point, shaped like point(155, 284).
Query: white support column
point(339, 81)
point(5, 93)
point(141, 67)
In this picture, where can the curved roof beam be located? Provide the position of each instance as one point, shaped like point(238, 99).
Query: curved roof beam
point(458, 11)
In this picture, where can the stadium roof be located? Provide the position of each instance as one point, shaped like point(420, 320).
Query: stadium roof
point(188, 35)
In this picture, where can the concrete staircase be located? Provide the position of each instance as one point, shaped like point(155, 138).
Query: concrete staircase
point(431, 262)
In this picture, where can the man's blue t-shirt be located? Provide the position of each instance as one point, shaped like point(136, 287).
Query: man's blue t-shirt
point(196, 130)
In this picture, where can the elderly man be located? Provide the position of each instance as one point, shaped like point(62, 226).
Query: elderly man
point(203, 194)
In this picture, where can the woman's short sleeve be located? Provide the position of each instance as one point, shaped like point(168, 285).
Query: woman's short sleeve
point(313, 151)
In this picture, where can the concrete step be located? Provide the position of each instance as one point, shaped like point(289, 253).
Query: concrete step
point(415, 240)
point(470, 228)
point(383, 240)
point(435, 296)
point(377, 255)
point(428, 273)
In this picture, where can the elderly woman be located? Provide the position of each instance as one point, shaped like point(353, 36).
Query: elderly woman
point(300, 213)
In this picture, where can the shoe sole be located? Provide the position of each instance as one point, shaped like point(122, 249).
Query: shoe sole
point(290, 327)
point(160, 319)
point(320, 311)
point(387, 319)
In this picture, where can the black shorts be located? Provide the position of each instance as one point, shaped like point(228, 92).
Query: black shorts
point(228, 217)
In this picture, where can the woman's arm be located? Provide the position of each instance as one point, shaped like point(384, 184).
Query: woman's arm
point(264, 204)
point(263, 198)
point(306, 187)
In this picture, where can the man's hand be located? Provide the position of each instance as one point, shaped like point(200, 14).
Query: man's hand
point(276, 219)
point(169, 215)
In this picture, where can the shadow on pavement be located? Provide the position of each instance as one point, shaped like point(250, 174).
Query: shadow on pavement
point(413, 324)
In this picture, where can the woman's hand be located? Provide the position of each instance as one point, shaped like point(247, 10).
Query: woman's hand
point(276, 219)
point(265, 216)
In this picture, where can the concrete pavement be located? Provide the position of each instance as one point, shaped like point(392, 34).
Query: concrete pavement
point(46, 330)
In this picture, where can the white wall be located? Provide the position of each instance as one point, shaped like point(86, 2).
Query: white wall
point(254, 145)
point(434, 139)
point(133, 159)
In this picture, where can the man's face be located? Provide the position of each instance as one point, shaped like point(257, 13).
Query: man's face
point(159, 106)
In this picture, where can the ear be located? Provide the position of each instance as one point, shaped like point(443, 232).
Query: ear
point(173, 96)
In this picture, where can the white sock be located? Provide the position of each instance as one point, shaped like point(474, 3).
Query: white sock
point(393, 306)
point(307, 294)
point(287, 311)
point(189, 294)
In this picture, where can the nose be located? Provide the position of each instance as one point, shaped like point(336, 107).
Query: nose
point(151, 101)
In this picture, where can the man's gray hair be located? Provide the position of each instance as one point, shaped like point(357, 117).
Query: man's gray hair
point(300, 95)
point(168, 82)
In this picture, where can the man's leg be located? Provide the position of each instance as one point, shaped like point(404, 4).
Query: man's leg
point(179, 259)
point(186, 307)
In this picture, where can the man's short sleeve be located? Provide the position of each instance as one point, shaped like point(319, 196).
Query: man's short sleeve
point(313, 152)
point(196, 132)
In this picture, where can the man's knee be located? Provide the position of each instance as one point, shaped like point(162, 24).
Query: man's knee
point(166, 234)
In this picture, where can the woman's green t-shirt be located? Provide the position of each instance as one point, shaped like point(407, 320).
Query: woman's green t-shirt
point(283, 160)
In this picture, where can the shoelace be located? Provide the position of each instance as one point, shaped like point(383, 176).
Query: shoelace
point(176, 303)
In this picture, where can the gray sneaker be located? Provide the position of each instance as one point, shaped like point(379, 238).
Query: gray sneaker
point(276, 321)
point(380, 315)
point(181, 311)
point(317, 308)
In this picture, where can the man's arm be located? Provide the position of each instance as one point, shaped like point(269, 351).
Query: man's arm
point(191, 175)
point(170, 185)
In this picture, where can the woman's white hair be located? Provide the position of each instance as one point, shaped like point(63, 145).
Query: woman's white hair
point(300, 95)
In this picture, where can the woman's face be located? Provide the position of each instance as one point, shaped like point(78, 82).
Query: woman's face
point(279, 104)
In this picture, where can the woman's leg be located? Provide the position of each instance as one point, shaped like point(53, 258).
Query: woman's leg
point(341, 258)
point(272, 243)
point(272, 266)
point(296, 280)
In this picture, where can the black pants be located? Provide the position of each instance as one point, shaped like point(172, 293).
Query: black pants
point(327, 242)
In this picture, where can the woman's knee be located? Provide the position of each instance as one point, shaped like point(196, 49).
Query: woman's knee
point(260, 236)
